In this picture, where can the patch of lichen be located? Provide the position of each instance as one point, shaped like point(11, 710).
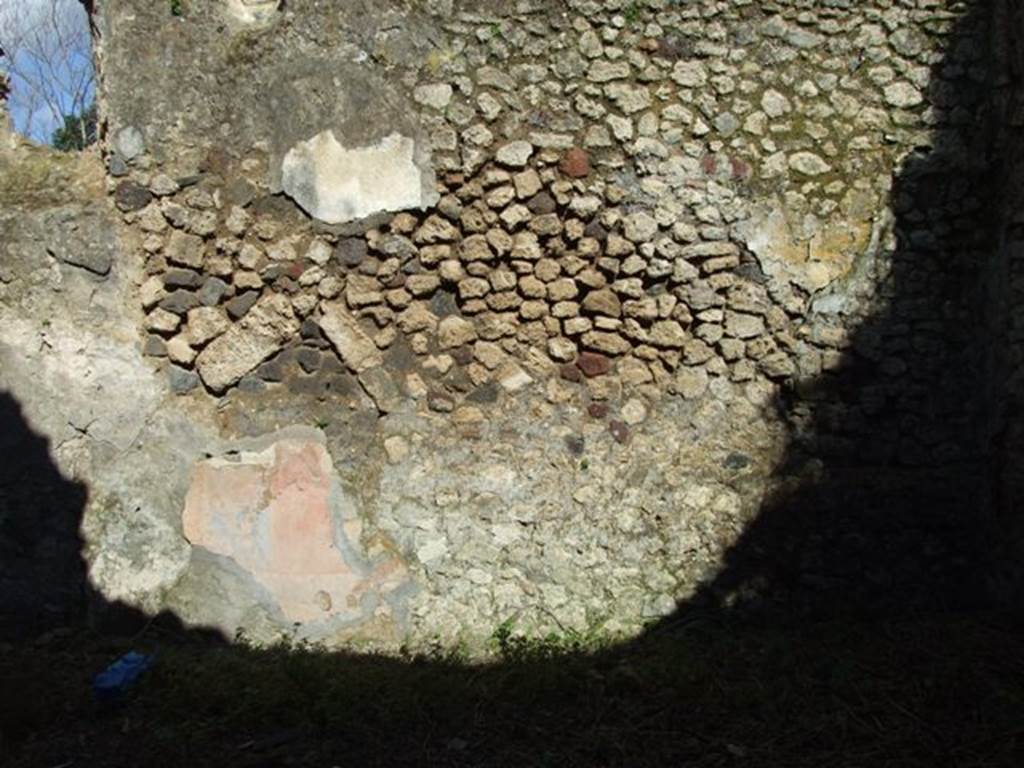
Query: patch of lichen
point(37, 177)
point(246, 48)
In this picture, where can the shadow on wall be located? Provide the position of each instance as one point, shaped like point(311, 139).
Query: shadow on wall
point(891, 466)
point(42, 582)
point(842, 628)
point(44, 585)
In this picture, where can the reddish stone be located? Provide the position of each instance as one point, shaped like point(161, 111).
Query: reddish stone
point(709, 165)
point(295, 270)
point(741, 170)
point(593, 364)
point(619, 431)
point(570, 372)
point(598, 410)
point(575, 163)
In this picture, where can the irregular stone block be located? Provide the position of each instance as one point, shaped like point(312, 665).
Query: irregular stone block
point(261, 333)
point(353, 344)
point(382, 389)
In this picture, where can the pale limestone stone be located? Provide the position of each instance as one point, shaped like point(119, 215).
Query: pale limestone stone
point(634, 411)
point(319, 252)
point(433, 95)
point(743, 326)
point(162, 321)
point(903, 95)
point(774, 103)
point(185, 249)
point(603, 302)
point(629, 98)
point(206, 323)
point(262, 332)
point(455, 331)
point(355, 346)
point(607, 342)
point(179, 351)
point(602, 71)
point(808, 164)
point(690, 383)
point(396, 448)
point(527, 183)
point(639, 227)
point(511, 377)
point(667, 333)
point(152, 291)
point(255, 12)
point(622, 127)
point(690, 74)
point(515, 154)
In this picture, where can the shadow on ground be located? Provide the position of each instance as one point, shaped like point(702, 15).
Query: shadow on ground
point(865, 617)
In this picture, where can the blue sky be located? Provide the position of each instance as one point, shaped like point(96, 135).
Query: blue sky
point(49, 61)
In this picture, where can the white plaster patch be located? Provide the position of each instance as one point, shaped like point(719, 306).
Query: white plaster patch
point(337, 184)
point(253, 11)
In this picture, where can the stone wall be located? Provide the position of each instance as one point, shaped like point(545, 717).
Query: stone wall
point(545, 311)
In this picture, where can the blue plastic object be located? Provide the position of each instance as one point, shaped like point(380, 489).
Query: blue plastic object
point(113, 682)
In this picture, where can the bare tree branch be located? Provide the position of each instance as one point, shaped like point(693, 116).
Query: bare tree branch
point(48, 62)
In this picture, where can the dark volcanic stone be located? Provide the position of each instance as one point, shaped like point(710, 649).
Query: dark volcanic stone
point(286, 284)
point(310, 329)
point(308, 359)
point(182, 278)
point(241, 304)
point(179, 302)
point(736, 461)
point(351, 251)
point(485, 393)
point(117, 166)
point(598, 410)
point(271, 371)
point(251, 383)
point(317, 385)
point(181, 380)
point(462, 355)
point(457, 379)
point(272, 272)
point(596, 230)
point(239, 192)
point(541, 203)
point(154, 347)
point(213, 291)
point(331, 364)
point(274, 369)
point(95, 260)
point(443, 304)
point(130, 196)
point(575, 444)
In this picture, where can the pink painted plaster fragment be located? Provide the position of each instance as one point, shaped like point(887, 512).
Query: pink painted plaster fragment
point(276, 513)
